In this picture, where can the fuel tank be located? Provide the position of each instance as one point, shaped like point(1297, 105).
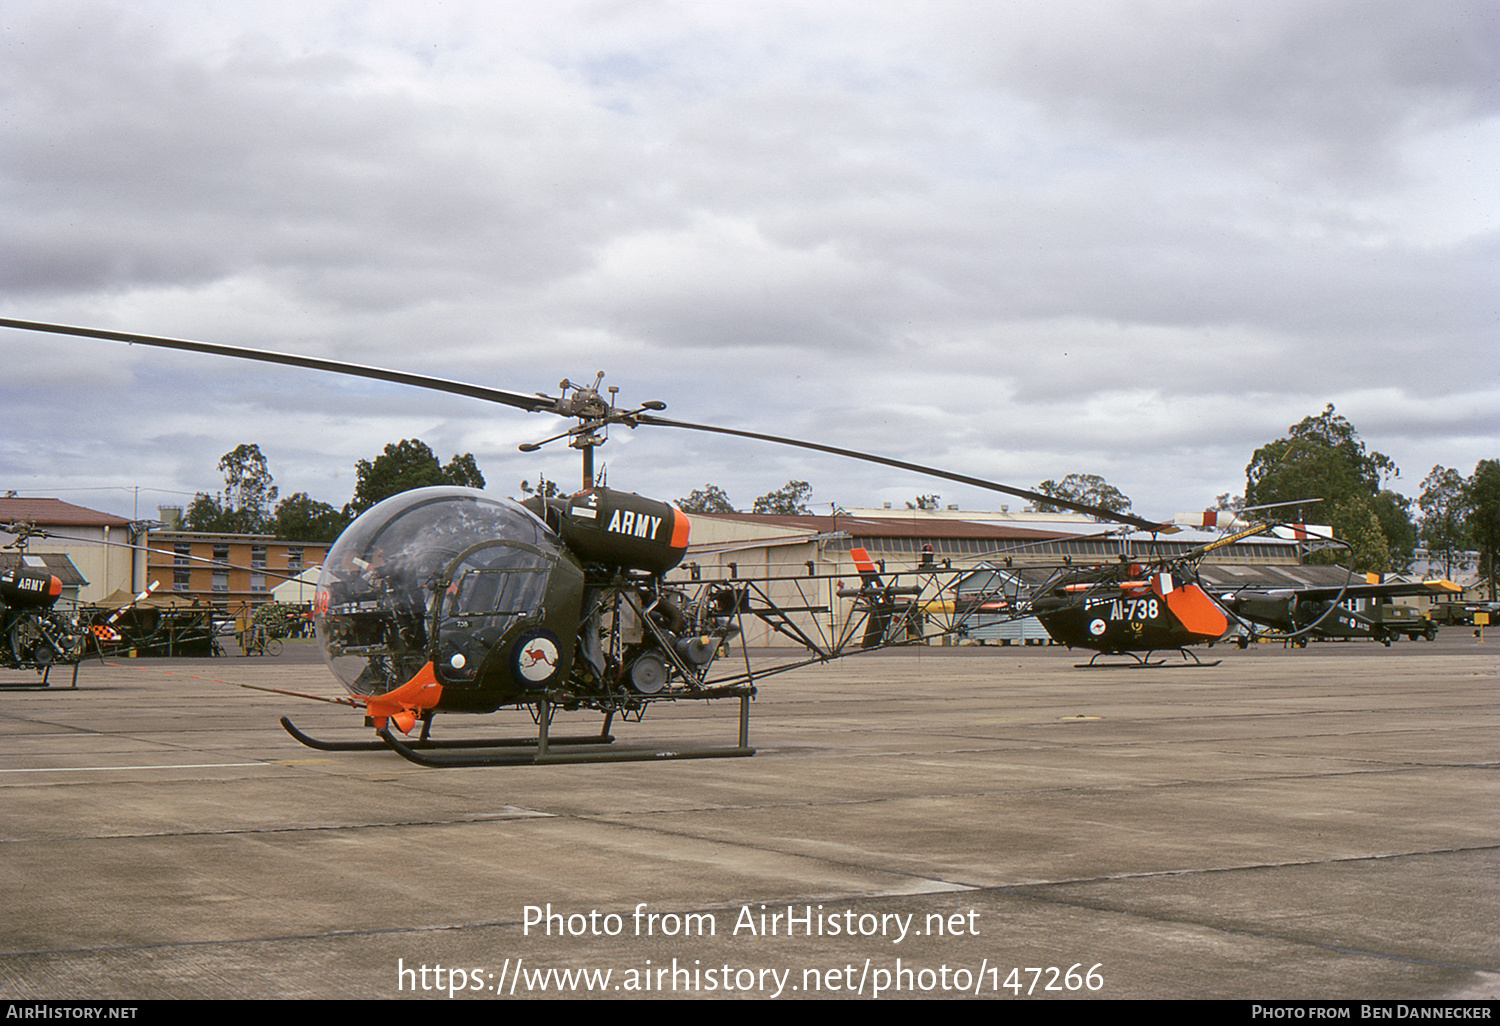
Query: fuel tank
point(623, 529)
point(23, 588)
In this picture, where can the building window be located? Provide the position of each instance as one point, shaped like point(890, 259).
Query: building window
point(257, 582)
point(294, 557)
point(182, 554)
point(221, 580)
point(221, 553)
point(258, 556)
point(182, 580)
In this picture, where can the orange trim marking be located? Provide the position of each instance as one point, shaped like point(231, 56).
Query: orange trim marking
point(421, 692)
point(1197, 611)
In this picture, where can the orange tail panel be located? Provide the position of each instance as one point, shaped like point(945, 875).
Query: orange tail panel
point(1196, 611)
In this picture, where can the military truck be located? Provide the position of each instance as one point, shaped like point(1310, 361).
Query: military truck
point(1392, 620)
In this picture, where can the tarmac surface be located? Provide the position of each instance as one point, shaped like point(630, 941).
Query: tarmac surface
point(1314, 824)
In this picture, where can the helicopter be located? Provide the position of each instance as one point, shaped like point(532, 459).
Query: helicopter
point(32, 635)
point(1136, 607)
point(448, 600)
point(1129, 608)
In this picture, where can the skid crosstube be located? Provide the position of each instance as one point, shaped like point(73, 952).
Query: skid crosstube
point(1190, 661)
point(537, 751)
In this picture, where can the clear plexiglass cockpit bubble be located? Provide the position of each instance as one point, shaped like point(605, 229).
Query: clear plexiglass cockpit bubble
point(402, 570)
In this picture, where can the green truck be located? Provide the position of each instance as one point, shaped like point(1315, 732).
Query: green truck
point(1392, 620)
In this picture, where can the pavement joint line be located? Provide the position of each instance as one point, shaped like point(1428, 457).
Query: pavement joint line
point(98, 769)
point(1291, 864)
point(1072, 789)
point(1099, 905)
point(942, 885)
point(1374, 770)
point(478, 818)
point(1073, 744)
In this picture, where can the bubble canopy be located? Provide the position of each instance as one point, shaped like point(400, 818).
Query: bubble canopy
point(441, 575)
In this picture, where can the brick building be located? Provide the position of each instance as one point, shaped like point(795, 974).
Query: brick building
point(227, 571)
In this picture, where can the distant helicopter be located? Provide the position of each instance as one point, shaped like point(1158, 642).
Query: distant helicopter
point(32, 635)
point(449, 600)
point(1130, 608)
point(1136, 607)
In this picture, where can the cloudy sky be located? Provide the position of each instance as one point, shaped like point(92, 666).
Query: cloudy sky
point(1010, 238)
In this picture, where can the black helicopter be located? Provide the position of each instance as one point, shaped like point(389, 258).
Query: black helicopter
point(33, 636)
point(1135, 606)
point(1130, 606)
point(1117, 608)
point(449, 600)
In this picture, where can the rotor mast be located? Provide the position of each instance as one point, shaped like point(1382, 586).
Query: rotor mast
point(594, 414)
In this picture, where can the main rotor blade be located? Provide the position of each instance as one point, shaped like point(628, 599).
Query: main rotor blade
point(1078, 507)
point(534, 403)
point(542, 403)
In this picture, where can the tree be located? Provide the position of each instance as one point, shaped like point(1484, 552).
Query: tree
point(1323, 458)
point(1444, 530)
point(463, 471)
point(243, 507)
point(1086, 488)
point(1369, 552)
point(247, 486)
point(1394, 513)
point(1482, 517)
point(206, 514)
point(544, 488)
point(303, 518)
point(708, 499)
point(790, 498)
point(403, 466)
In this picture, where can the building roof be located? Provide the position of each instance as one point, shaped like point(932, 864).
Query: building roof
point(215, 536)
point(56, 563)
point(56, 513)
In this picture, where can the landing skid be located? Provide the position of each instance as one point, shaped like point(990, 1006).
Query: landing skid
point(39, 685)
point(1143, 662)
point(423, 743)
point(538, 751)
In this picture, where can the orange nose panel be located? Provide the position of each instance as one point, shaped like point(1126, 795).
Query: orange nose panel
point(401, 705)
